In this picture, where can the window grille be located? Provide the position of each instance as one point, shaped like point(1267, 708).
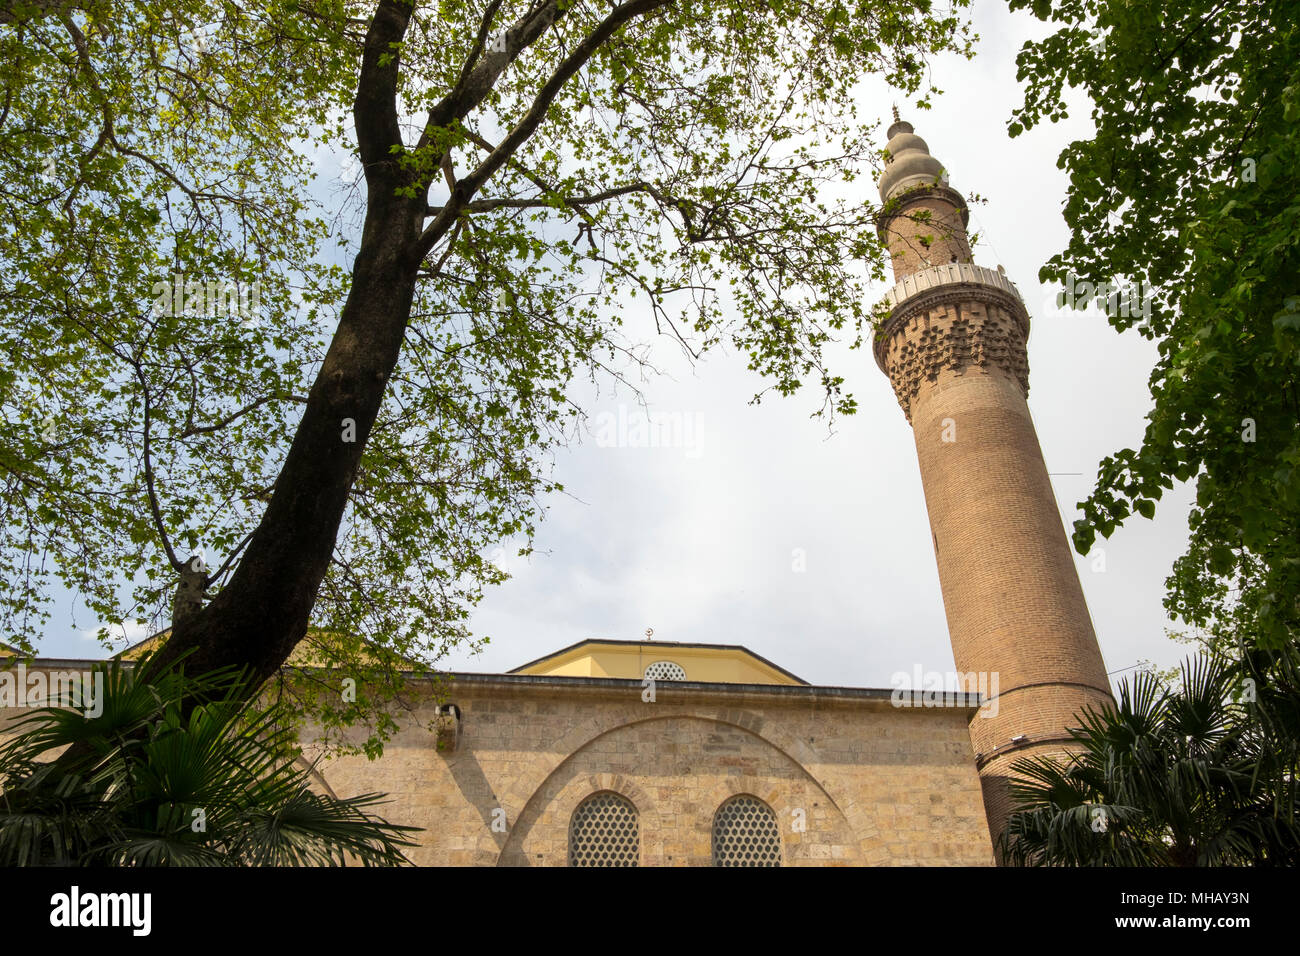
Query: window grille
point(665, 670)
point(745, 833)
point(605, 831)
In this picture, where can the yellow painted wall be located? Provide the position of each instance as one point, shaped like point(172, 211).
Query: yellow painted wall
point(629, 661)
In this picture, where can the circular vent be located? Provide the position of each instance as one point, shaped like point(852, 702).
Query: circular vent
point(665, 670)
point(604, 832)
point(745, 833)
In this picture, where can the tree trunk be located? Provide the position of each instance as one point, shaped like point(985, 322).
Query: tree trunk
point(262, 613)
point(258, 618)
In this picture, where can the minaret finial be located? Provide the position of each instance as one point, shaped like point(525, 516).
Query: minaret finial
point(899, 126)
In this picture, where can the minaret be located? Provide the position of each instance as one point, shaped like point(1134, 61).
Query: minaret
point(953, 346)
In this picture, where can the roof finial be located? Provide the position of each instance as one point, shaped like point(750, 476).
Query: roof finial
point(900, 125)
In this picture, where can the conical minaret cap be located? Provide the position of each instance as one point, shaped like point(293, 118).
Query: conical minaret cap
point(910, 163)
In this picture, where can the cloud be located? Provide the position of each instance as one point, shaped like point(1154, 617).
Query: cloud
point(123, 632)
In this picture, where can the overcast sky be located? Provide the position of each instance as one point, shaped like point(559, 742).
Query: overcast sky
point(699, 542)
point(757, 527)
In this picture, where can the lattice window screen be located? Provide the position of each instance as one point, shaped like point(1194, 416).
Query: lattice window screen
point(745, 833)
point(605, 832)
point(665, 670)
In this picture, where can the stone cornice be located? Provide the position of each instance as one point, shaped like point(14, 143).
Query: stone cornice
point(452, 682)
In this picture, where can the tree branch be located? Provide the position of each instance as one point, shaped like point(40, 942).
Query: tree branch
point(468, 185)
point(191, 429)
point(477, 82)
point(487, 205)
point(375, 109)
point(154, 510)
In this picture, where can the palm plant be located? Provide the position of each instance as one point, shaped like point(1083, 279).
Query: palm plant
point(162, 783)
point(1200, 775)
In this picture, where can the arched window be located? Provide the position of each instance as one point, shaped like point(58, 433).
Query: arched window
point(665, 670)
point(605, 831)
point(745, 833)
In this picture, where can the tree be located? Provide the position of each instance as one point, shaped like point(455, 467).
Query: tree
point(154, 787)
point(1199, 775)
point(1182, 208)
point(533, 170)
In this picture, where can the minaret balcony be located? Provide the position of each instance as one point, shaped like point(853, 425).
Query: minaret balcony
point(950, 273)
point(949, 284)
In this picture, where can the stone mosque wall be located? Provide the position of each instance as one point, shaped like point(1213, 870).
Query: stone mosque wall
point(849, 778)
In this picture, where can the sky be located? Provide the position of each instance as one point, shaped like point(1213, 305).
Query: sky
point(757, 525)
point(701, 540)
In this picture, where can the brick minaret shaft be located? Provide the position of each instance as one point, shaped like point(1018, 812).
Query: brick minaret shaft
point(953, 346)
